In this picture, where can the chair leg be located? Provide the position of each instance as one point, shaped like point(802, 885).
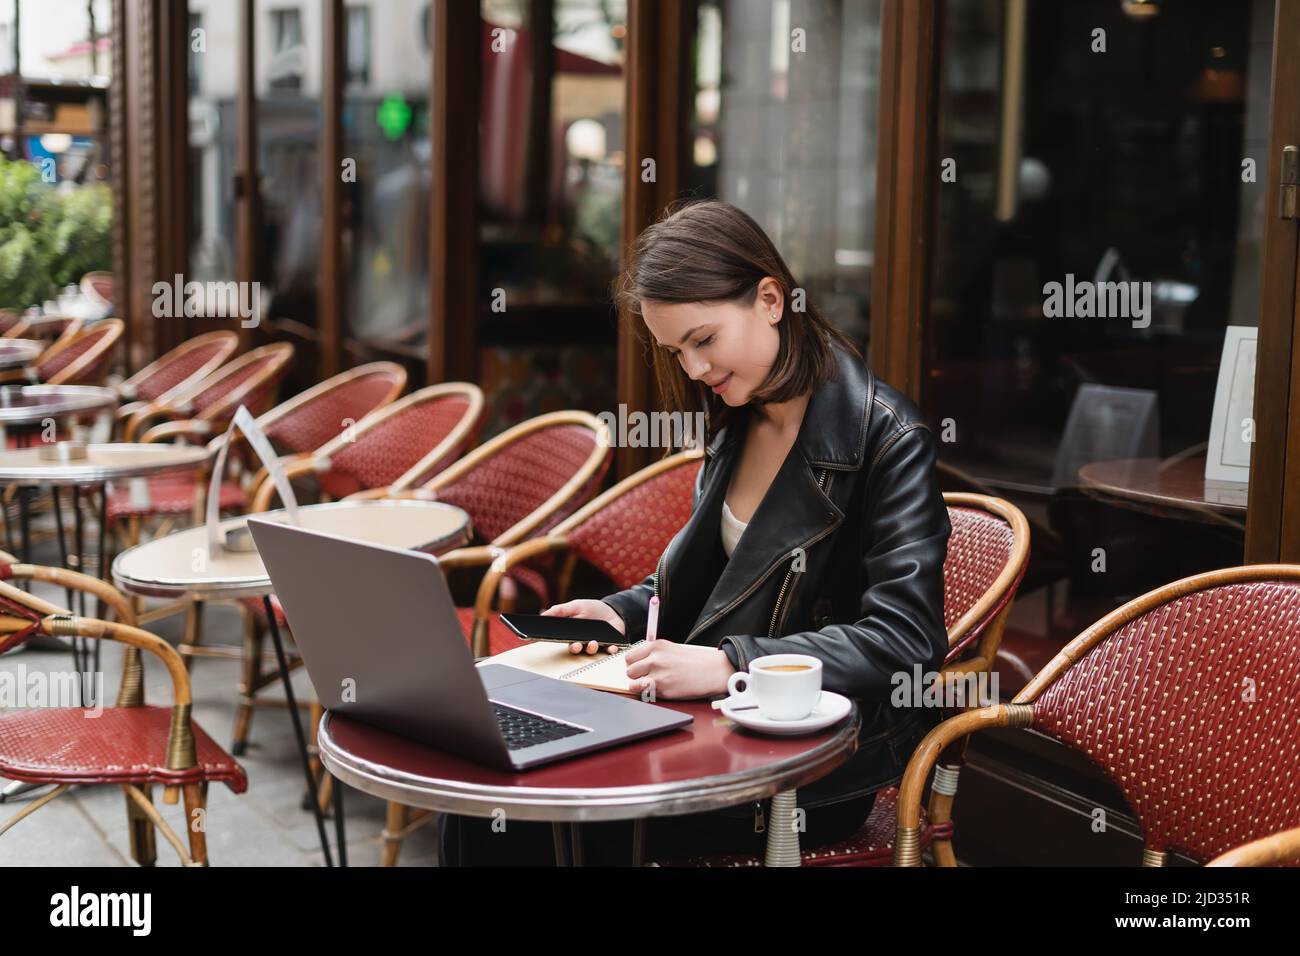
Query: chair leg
point(249, 682)
point(193, 632)
point(140, 832)
point(394, 832)
point(943, 791)
point(196, 822)
point(149, 810)
point(32, 807)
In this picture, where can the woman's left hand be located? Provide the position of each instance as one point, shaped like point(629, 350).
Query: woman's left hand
point(677, 671)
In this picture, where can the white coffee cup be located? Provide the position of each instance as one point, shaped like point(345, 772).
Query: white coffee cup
point(784, 686)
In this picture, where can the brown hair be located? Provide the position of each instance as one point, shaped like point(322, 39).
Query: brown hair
point(711, 251)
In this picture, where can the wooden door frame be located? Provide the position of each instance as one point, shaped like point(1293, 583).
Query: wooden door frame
point(657, 105)
point(906, 178)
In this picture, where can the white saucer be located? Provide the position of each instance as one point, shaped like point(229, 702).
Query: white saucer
point(831, 709)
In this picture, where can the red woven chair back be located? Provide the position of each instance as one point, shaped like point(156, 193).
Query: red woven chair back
point(624, 532)
point(183, 364)
point(308, 421)
point(1192, 709)
point(251, 380)
point(393, 441)
point(528, 467)
point(99, 284)
point(979, 548)
point(8, 319)
point(86, 359)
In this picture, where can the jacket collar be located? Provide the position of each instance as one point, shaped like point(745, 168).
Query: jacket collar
point(796, 511)
point(834, 429)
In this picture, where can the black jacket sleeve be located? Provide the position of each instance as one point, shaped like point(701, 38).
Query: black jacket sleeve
point(905, 541)
point(633, 604)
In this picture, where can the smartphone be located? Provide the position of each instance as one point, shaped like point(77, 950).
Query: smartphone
point(540, 627)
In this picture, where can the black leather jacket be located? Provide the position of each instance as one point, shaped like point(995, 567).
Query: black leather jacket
point(843, 560)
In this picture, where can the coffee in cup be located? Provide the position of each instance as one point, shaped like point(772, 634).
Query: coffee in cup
point(783, 686)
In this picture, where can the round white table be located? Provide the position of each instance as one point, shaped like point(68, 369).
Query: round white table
point(179, 566)
point(15, 353)
point(32, 404)
point(28, 467)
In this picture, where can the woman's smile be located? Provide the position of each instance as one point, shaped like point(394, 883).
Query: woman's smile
point(722, 386)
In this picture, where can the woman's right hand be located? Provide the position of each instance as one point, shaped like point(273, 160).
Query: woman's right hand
point(592, 611)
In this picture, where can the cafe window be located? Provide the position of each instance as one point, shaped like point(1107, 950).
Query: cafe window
point(358, 46)
point(386, 187)
point(1095, 290)
point(287, 50)
point(551, 189)
point(784, 126)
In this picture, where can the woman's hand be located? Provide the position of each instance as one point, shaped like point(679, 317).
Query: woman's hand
point(677, 671)
point(591, 611)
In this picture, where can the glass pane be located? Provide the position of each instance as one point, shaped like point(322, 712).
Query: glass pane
point(386, 202)
point(287, 81)
point(1097, 251)
point(56, 203)
point(214, 75)
point(785, 120)
point(551, 203)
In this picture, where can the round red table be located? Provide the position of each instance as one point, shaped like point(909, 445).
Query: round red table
point(710, 763)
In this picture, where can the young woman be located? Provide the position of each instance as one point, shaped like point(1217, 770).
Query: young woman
point(817, 529)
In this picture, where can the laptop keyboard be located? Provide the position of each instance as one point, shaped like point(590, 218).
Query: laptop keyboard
point(522, 729)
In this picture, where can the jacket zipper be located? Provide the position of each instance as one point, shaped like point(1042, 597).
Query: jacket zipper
point(659, 576)
point(776, 608)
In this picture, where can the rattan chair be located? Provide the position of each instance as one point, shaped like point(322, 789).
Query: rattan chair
point(130, 745)
point(99, 288)
point(520, 484)
point(1188, 698)
point(173, 374)
point(85, 359)
point(421, 434)
point(252, 380)
point(1280, 849)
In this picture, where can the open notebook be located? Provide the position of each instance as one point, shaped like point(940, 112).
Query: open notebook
point(602, 672)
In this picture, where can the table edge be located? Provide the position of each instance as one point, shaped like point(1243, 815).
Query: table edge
point(594, 804)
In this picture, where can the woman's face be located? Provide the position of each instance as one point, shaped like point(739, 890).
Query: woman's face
point(727, 346)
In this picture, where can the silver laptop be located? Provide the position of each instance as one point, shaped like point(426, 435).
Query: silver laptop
point(379, 635)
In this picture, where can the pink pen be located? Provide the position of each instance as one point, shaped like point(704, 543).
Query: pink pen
point(652, 626)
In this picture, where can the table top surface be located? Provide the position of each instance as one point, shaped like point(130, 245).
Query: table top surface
point(15, 352)
point(1176, 483)
point(708, 764)
point(102, 463)
point(31, 403)
point(178, 565)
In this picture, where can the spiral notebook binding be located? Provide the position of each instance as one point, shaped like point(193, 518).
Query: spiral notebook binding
point(608, 657)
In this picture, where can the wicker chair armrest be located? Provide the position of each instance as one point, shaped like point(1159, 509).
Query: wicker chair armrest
point(504, 561)
point(295, 466)
point(1276, 850)
point(907, 849)
point(193, 429)
point(77, 581)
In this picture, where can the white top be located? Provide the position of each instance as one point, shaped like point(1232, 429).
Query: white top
point(732, 529)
